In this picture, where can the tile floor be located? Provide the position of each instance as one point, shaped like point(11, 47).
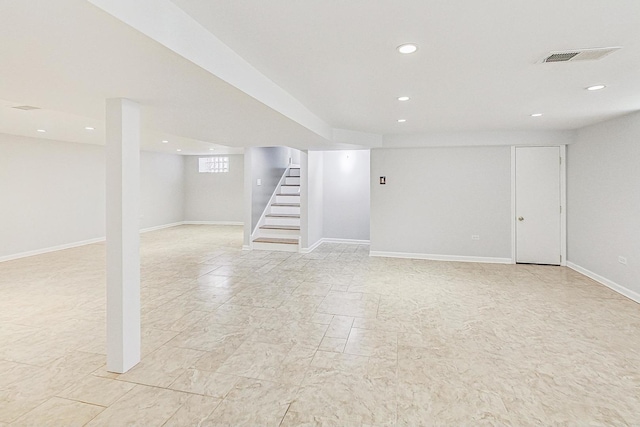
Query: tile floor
point(332, 338)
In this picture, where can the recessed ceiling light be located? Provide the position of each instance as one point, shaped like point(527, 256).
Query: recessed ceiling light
point(177, 149)
point(407, 48)
point(536, 115)
point(402, 120)
point(164, 141)
point(89, 128)
point(596, 87)
point(210, 149)
point(41, 130)
point(403, 98)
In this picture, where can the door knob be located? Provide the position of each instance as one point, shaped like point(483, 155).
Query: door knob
point(520, 218)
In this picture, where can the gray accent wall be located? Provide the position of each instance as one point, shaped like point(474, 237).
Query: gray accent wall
point(214, 196)
point(52, 193)
point(435, 199)
point(347, 195)
point(161, 189)
point(603, 200)
point(267, 164)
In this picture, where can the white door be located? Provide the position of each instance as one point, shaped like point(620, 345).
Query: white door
point(538, 205)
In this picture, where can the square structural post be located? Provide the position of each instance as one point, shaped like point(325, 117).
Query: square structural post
point(123, 234)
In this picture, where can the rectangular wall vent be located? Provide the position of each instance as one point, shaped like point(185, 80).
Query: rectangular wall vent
point(26, 107)
point(580, 54)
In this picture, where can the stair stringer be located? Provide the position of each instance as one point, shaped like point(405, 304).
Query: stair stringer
point(267, 209)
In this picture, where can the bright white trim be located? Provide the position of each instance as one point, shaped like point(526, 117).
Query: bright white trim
point(51, 249)
point(513, 205)
point(160, 227)
point(633, 295)
point(348, 241)
point(312, 247)
point(333, 240)
point(212, 223)
point(102, 239)
point(246, 247)
point(456, 258)
point(563, 202)
point(161, 20)
point(267, 208)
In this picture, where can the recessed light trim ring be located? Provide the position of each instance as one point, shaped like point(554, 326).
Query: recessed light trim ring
point(407, 48)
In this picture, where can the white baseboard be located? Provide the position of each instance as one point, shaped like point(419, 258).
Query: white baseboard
point(608, 283)
point(51, 249)
point(160, 227)
point(456, 258)
point(350, 241)
point(102, 239)
point(332, 240)
point(246, 247)
point(311, 248)
point(212, 223)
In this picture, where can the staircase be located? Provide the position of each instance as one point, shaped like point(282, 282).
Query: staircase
point(279, 229)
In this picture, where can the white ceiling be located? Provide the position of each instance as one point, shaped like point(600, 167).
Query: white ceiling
point(477, 68)
point(68, 56)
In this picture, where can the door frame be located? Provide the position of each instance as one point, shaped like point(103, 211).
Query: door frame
point(563, 201)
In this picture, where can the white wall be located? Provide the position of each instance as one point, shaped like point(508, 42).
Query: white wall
point(480, 138)
point(435, 199)
point(346, 202)
point(53, 193)
point(267, 165)
point(161, 189)
point(216, 197)
point(603, 201)
point(315, 193)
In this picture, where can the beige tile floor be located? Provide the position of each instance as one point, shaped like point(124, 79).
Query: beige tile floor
point(332, 338)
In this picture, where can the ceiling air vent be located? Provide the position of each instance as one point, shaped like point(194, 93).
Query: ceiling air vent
point(26, 107)
point(580, 54)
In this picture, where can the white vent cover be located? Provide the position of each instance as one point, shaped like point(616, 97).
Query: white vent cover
point(580, 54)
point(26, 107)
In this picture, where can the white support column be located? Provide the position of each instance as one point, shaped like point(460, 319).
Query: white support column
point(248, 198)
point(304, 200)
point(123, 236)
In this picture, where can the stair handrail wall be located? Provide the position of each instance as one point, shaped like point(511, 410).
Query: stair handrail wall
point(261, 221)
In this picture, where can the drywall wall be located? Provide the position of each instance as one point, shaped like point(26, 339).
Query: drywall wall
point(603, 202)
point(53, 193)
point(346, 202)
point(435, 199)
point(267, 165)
point(214, 197)
point(161, 189)
point(479, 138)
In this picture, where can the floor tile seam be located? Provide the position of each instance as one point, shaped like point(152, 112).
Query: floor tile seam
point(64, 398)
point(181, 406)
point(239, 377)
point(30, 365)
point(285, 415)
point(294, 394)
point(137, 383)
point(78, 400)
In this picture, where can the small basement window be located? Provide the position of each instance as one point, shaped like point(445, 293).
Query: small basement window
point(217, 164)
